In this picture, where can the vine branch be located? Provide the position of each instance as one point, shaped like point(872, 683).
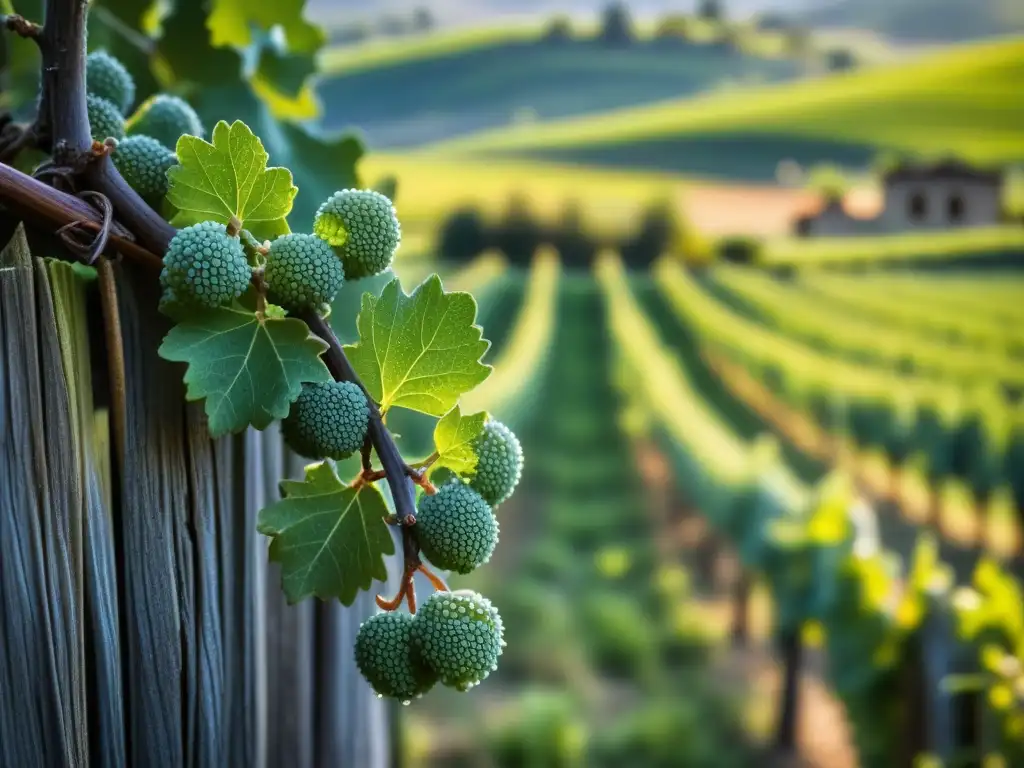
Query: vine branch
point(34, 201)
point(402, 490)
point(140, 233)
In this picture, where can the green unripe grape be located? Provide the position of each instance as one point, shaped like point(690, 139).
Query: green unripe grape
point(385, 657)
point(107, 78)
point(459, 635)
point(499, 462)
point(456, 528)
point(302, 272)
point(362, 227)
point(327, 421)
point(166, 119)
point(143, 162)
point(205, 265)
point(104, 118)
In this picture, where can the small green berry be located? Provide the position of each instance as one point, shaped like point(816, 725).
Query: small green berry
point(165, 118)
point(302, 272)
point(385, 657)
point(499, 462)
point(206, 265)
point(107, 78)
point(104, 118)
point(460, 636)
point(143, 162)
point(327, 420)
point(456, 528)
point(362, 227)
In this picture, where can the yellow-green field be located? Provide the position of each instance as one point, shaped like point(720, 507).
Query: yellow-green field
point(432, 186)
point(896, 247)
point(384, 52)
point(965, 100)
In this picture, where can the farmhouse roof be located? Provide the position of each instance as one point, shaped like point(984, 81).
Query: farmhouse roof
point(944, 169)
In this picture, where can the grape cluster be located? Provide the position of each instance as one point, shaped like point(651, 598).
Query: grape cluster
point(455, 638)
point(206, 265)
point(153, 129)
point(456, 635)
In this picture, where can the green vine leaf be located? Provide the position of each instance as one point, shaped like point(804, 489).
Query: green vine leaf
point(249, 367)
point(230, 179)
point(420, 351)
point(329, 538)
point(453, 441)
point(231, 21)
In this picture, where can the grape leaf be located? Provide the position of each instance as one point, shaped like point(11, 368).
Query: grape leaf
point(453, 440)
point(231, 21)
point(419, 351)
point(329, 538)
point(249, 368)
point(229, 178)
point(184, 50)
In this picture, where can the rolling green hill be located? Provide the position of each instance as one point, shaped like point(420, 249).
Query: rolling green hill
point(454, 84)
point(923, 19)
point(965, 100)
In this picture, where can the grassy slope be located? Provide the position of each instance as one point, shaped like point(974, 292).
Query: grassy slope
point(923, 19)
point(441, 86)
point(966, 99)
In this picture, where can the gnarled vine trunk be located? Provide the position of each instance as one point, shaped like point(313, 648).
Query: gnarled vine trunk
point(139, 621)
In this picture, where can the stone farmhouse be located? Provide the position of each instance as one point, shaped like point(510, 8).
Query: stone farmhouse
point(942, 195)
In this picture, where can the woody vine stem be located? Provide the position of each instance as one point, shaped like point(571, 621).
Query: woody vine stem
point(136, 232)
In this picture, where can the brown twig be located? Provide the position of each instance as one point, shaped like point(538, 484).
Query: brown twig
point(365, 454)
point(436, 580)
point(394, 603)
point(420, 478)
point(22, 27)
point(34, 201)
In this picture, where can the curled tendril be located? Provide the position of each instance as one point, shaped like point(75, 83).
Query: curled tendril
point(80, 238)
point(50, 171)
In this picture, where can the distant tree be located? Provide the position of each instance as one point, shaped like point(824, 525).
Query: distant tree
point(569, 236)
point(616, 25)
point(559, 30)
point(711, 10)
point(829, 181)
point(886, 162)
point(739, 250)
point(673, 28)
point(394, 26)
point(798, 41)
point(840, 59)
point(422, 19)
point(350, 33)
point(659, 233)
point(463, 235)
point(772, 21)
point(518, 234)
